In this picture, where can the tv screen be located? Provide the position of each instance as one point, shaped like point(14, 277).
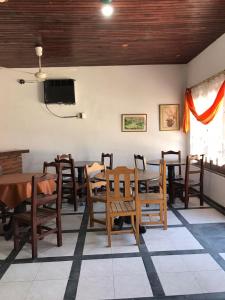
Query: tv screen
point(59, 91)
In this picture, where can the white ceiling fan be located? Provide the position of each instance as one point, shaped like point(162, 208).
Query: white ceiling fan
point(40, 75)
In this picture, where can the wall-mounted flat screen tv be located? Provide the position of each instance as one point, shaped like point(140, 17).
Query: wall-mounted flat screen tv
point(59, 91)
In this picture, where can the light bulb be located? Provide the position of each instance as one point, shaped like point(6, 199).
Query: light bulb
point(107, 10)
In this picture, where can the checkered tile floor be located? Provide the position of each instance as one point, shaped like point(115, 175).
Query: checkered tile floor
point(187, 261)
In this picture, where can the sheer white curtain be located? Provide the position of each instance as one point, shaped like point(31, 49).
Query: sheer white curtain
point(208, 139)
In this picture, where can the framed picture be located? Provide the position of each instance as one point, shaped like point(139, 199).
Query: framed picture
point(134, 122)
point(169, 117)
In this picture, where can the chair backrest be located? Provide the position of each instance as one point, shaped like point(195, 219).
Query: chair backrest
point(172, 153)
point(198, 162)
point(64, 156)
point(38, 199)
point(140, 162)
point(90, 173)
point(68, 165)
point(162, 178)
point(127, 176)
point(109, 157)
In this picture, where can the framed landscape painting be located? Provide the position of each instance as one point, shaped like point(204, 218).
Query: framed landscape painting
point(134, 122)
point(169, 117)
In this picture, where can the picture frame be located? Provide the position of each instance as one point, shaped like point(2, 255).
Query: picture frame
point(134, 122)
point(169, 117)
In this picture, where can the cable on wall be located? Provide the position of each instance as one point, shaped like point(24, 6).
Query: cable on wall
point(78, 115)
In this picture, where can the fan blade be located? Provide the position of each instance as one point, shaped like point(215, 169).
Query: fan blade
point(17, 71)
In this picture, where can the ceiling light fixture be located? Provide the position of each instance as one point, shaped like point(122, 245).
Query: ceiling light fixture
point(107, 9)
point(2, 1)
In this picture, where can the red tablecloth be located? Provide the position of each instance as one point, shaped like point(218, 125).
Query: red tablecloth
point(16, 188)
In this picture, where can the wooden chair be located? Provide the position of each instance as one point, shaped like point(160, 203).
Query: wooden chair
point(156, 198)
point(94, 190)
point(70, 184)
point(124, 204)
point(4, 211)
point(104, 157)
point(174, 153)
point(39, 216)
point(192, 185)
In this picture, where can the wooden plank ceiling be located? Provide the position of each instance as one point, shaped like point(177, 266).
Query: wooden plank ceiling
point(74, 33)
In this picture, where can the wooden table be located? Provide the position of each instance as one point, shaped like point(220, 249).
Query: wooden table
point(143, 175)
point(16, 188)
point(171, 164)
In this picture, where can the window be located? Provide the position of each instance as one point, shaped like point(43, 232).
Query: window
point(208, 139)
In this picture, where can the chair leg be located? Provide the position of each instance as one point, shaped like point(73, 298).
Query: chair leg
point(161, 211)
point(91, 213)
point(34, 242)
point(201, 198)
point(108, 225)
point(59, 231)
point(74, 195)
point(132, 222)
point(186, 200)
point(137, 234)
point(16, 235)
point(165, 216)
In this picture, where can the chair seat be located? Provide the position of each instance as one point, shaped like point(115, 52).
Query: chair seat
point(122, 206)
point(181, 182)
point(43, 215)
point(150, 196)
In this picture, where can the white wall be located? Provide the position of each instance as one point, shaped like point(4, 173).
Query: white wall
point(103, 93)
point(206, 64)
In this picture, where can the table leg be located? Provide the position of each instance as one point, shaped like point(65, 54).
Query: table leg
point(170, 181)
point(81, 180)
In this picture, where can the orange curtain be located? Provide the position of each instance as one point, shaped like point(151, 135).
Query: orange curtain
point(205, 117)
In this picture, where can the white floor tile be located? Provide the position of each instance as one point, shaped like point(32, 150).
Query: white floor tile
point(193, 202)
point(95, 288)
point(97, 243)
point(48, 247)
point(184, 263)
point(200, 262)
point(130, 278)
point(97, 268)
point(169, 264)
point(171, 239)
point(14, 290)
point(132, 286)
point(183, 283)
point(200, 216)
point(21, 272)
point(222, 255)
point(49, 289)
point(54, 270)
point(211, 281)
point(126, 266)
point(171, 219)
